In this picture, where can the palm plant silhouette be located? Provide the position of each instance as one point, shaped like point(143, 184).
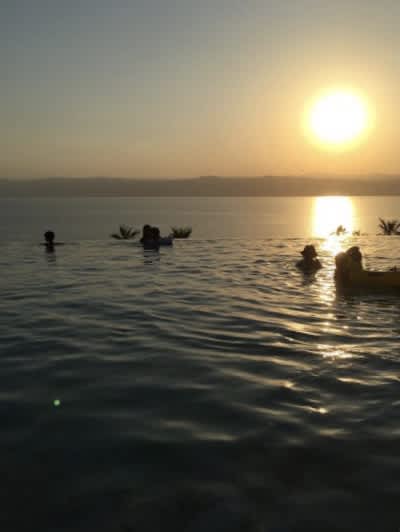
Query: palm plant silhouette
point(181, 232)
point(389, 227)
point(340, 230)
point(125, 233)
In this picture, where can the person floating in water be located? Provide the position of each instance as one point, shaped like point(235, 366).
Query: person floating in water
point(49, 243)
point(309, 263)
point(350, 273)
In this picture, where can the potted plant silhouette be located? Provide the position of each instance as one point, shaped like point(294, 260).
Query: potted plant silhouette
point(389, 227)
point(125, 233)
point(339, 231)
point(181, 232)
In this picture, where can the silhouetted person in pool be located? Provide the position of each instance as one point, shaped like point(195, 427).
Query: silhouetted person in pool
point(146, 233)
point(150, 237)
point(347, 262)
point(350, 273)
point(49, 241)
point(309, 263)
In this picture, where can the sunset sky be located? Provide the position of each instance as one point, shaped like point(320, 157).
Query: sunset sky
point(181, 88)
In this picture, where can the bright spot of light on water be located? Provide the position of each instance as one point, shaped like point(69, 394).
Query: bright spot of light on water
point(333, 244)
point(319, 410)
point(327, 295)
point(330, 212)
point(336, 354)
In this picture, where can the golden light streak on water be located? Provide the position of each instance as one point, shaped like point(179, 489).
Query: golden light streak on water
point(331, 212)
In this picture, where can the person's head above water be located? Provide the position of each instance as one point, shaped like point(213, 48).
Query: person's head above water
point(347, 262)
point(309, 263)
point(147, 231)
point(49, 237)
point(309, 252)
point(355, 254)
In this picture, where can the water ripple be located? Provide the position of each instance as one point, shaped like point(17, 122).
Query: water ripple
point(210, 362)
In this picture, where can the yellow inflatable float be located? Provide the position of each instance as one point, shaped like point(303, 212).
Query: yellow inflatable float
point(351, 274)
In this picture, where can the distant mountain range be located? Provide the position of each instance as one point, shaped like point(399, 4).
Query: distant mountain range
point(202, 186)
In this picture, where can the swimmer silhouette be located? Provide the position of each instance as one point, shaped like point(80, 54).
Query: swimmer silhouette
point(309, 263)
point(151, 238)
point(49, 243)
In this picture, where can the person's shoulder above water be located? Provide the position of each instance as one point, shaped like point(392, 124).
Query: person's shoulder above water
point(309, 263)
point(308, 267)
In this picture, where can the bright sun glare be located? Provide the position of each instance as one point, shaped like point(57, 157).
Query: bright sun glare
point(338, 118)
point(330, 212)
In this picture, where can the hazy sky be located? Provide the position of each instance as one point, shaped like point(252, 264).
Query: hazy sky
point(191, 87)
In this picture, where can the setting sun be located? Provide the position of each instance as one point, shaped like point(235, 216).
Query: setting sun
point(338, 118)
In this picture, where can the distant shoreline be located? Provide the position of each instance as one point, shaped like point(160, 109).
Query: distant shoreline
point(201, 187)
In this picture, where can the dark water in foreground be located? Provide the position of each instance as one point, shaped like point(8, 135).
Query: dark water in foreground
point(207, 387)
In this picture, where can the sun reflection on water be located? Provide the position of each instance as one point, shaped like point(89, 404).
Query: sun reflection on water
point(334, 354)
point(330, 212)
point(333, 220)
point(333, 244)
point(327, 292)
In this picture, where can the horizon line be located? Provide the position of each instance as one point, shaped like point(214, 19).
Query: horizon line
point(370, 175)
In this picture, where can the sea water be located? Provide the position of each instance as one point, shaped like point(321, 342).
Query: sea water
point(207, 386)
